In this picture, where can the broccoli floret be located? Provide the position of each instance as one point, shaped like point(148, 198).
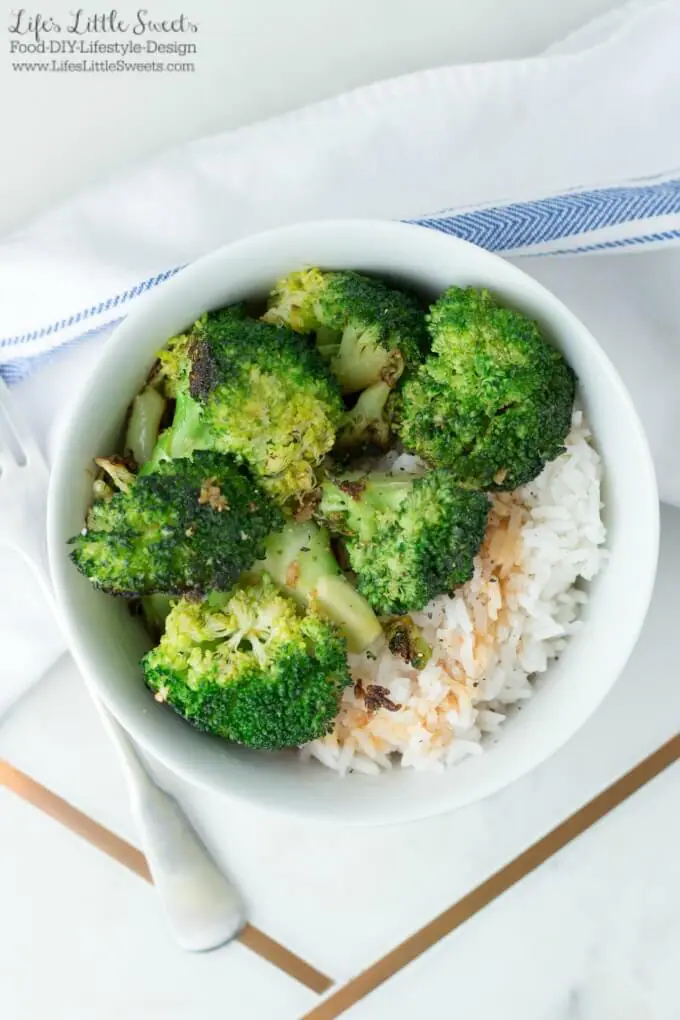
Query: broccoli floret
point(493, 402)
point(192, 525)
point(408, 538)
point(405, 639)
point(366, 426)
point(301, 561)
point(246, 666)
point(366, 330)
point(258, 391)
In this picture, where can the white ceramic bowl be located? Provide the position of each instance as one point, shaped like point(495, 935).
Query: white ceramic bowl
point(107, 643)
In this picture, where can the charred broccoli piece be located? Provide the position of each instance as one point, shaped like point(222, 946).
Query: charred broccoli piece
point(192, 525)
point(300, 559)
point(405, 639)
point(493, 401)
point(247, 666)
point(408, 537)
point(364, 329)
point(258, 391)
point(121, 472)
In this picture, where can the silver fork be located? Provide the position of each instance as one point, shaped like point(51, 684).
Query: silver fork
point(203, 907)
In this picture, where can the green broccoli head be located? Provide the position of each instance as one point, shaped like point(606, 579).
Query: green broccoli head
point(246, 666)
point(366, 330)
point(408, 537)
point(258, 391)
point(493, 401)
point(192, 525)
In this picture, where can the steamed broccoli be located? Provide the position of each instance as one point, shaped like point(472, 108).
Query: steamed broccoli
point(409, 538)
point(301, 561)
point(192, 525)
point(248, 667)
point(493, 401)
point(366, 330)
point(256, 390)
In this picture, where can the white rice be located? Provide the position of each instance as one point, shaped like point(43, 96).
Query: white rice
point(493, 637)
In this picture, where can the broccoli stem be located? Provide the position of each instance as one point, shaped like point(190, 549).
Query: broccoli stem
point(386, 491)
point(361, 360)
point(328, 342)
point(145, 418)
point(156, 609)
point(184, 435)
point(187, 427)
point(301, 562)
point(365, 424)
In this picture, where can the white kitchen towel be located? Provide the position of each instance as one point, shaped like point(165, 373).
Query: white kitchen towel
point(563, 162)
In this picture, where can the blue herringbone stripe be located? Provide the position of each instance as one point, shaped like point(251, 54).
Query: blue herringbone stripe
point(621, 242)
point(88, 313)
point(521, 224)
point(14, 371)
point(499, 228)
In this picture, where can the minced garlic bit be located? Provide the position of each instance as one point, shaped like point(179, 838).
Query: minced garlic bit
point(161, 694)
point(376, 696)
point(293, 574)
point(211, 495)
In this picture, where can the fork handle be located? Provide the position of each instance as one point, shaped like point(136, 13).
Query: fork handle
point(202, 905)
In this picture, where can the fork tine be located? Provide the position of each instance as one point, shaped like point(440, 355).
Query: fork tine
point(16, 424)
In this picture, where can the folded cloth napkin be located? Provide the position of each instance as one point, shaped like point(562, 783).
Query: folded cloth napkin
point(562, 162)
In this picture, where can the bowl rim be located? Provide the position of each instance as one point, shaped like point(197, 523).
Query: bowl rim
point(115, 347)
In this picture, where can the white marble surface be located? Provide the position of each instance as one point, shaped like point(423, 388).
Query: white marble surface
point(81, 938)
point(593, 935)
point(343, 898)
